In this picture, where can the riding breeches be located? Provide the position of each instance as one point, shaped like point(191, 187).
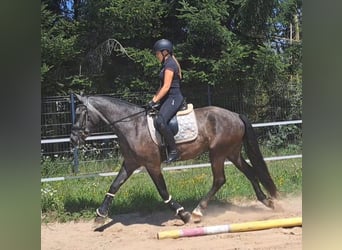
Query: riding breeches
point(167, 110)
point(170, 106)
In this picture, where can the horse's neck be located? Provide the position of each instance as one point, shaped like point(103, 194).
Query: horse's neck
point(111, 112)
point(98, 112)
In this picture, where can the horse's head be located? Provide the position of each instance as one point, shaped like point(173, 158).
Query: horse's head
point(80, 130)
point(84, 122)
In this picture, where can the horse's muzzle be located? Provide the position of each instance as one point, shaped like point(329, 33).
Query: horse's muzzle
point(77, 137)
point(74, 139)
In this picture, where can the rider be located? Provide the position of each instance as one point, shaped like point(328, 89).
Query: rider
point(169, 95)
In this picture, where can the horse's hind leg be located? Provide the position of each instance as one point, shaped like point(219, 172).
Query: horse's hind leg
point(249, 172)
point(158, 179)
point(124, 173)
point(217, 167)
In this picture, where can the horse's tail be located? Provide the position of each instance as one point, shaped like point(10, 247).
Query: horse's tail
point(256, 158)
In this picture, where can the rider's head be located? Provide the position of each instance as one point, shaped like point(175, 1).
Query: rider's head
point(163, 48)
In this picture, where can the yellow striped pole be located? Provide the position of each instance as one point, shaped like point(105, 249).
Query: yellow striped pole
point(232, 228)
point(266, 224)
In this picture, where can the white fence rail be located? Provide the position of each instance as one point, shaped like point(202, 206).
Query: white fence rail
point(203, 165)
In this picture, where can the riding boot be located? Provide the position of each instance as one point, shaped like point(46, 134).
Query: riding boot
point(173, 154)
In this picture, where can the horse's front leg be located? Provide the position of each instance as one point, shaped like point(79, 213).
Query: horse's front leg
point(124, 173)
point(158, 179)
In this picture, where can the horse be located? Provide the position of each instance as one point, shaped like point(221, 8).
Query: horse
point(221, 132)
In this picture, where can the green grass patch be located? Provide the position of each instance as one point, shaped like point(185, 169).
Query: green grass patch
point(78, 199)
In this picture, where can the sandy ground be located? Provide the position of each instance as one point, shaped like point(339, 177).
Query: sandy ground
point(137, 231)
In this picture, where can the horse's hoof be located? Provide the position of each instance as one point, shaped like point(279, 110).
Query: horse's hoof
point(196, 218)
point(197, 215)
point(269, 203)
point(100, 217)
point(185, 216)
point(99, 220)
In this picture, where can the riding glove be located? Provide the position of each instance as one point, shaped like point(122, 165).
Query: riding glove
point(152, 105)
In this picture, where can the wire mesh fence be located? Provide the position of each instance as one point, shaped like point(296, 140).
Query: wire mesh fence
point(104, 155)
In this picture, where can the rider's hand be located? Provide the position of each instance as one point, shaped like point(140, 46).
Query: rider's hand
point(152, 105)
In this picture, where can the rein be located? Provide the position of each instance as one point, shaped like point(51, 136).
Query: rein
point(111, 124)
point(81, 128)
point(122, 119)
point(88, 105)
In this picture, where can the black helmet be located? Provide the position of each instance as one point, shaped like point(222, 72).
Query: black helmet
point(163, 44)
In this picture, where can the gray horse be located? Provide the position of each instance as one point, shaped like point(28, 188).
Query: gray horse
point(220, 132)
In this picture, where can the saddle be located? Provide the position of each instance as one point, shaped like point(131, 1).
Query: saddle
point(183, 125)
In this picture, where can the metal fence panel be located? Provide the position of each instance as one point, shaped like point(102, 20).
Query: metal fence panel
point(56, 122)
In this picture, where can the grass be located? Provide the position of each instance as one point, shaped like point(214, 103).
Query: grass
point(78, 199)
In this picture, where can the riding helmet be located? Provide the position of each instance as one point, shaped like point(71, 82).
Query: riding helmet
point(163, 44)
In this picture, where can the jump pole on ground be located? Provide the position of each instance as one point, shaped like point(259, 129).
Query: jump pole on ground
point(231, 228)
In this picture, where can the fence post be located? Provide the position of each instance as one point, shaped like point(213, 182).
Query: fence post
point(73, 117)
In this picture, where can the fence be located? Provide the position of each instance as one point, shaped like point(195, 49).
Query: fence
point(56, 122)
point(102, 149)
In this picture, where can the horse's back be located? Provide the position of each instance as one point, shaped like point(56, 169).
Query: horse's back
point(220, 121)
point(219, 113)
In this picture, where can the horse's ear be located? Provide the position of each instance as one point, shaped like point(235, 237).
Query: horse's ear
point(79, 97)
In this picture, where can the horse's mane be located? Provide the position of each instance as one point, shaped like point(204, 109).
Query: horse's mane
point(115, 100)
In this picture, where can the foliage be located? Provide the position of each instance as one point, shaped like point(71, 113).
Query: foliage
point(284, 137)
point(239, 46)
point(58, 51)
point(93, 158)
point(50, 200)
point(54, 166)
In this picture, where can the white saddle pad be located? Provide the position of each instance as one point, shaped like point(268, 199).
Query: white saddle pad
point(187, 128)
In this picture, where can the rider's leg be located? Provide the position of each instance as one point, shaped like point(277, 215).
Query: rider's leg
point(167, 110)
point(166, 132)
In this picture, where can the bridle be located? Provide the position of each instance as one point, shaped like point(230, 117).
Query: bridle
point(81, 128)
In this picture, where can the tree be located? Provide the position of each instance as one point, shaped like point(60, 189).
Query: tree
point(244, 48)
point(58, 52)
point(135, 24)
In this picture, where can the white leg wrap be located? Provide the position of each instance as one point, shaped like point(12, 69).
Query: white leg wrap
point(179, 209)
point(168, 200)
point(110, 194)
point(98, 213)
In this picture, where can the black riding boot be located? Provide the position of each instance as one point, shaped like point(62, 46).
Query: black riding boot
point(166, 132)
point(173, 154)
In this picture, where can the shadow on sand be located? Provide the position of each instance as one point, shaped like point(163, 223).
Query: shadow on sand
point(160, 218)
